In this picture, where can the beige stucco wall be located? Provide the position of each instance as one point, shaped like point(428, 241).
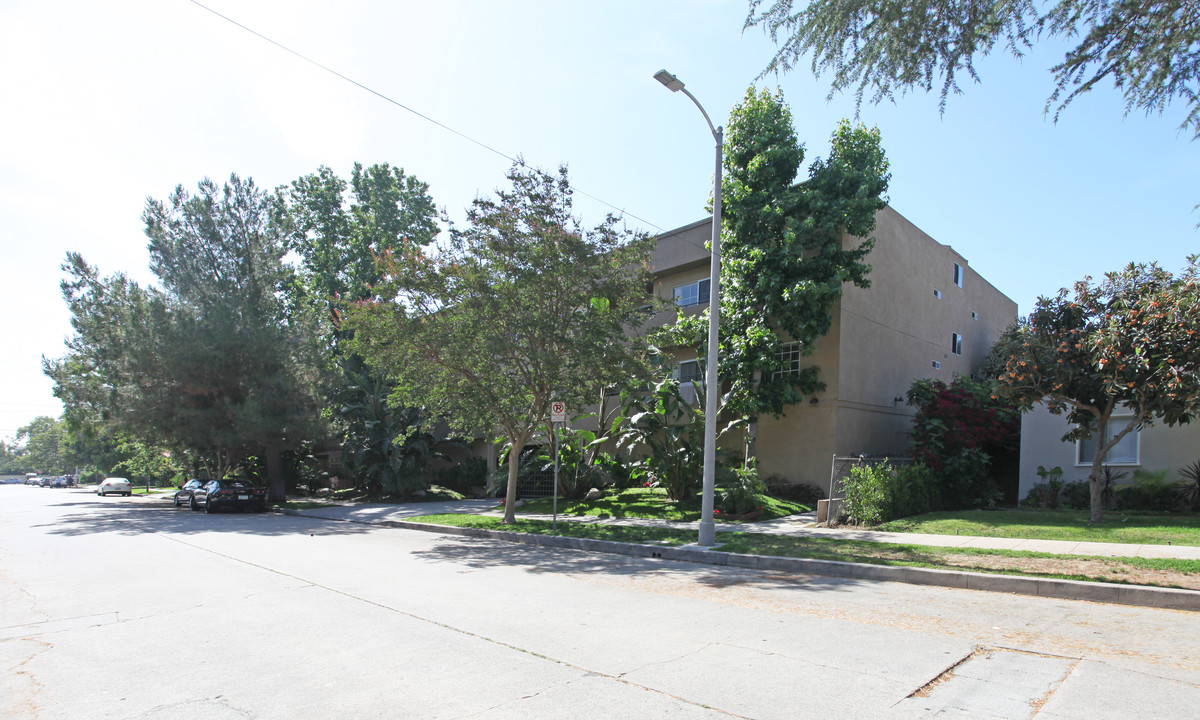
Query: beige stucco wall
point(880, 339)
point(1159, 448)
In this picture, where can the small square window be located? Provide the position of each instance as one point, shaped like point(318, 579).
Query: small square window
point(958, 274)
point(956, 343)
point(937, 293)
point(789, 358)
point(937, 365)
point(974, 315)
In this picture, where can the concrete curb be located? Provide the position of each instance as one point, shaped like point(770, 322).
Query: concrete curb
point(1140, 595)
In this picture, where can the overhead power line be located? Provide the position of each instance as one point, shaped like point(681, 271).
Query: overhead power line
point(397, 103)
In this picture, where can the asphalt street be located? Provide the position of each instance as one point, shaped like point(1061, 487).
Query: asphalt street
point(128, 608)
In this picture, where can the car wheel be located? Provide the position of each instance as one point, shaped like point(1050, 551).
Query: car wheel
point(208, 506)
point(103, 494)
point(193, 504)
point(176, 501)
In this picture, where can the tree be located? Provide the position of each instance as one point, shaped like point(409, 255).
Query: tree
point(1130, 343)
point(1147, 49)
point(524, 305)
point(785, 251)
point(215, 361)
point(339, 237)
point(43, 445)
point(958, 430)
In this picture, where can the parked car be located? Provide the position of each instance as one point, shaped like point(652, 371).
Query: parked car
point(60, 482)
point(114, 486)
point(184, 494)
point(32, 480)
point(231, 494)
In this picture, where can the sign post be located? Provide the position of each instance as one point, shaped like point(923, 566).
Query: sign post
point(558, 416)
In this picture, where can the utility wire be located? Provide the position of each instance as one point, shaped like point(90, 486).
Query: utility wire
point(376, 93)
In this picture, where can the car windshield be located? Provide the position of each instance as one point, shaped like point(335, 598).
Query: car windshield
point(236, 484)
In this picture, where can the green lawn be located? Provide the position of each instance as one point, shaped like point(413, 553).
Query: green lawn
point(1118, 527)
point(1171, 573)
point(648, 503)
point(567, 528)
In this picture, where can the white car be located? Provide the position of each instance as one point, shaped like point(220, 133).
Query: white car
point(114, 486)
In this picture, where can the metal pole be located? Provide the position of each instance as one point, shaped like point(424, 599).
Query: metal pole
point(557, 435)
point(708, 529)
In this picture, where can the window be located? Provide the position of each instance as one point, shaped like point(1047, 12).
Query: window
point(789, 359)
point(689, 371)
point(958, 274)
point(974, 315)
point(937, 293)
point(692, 294)
point(937, 365)
point(956, 343)
point(1125, 453)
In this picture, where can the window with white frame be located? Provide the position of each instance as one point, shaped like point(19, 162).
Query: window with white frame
point(689, 371)
point(789, 360)
point(958, 274)
point(1126, 452)
point(937, 365)
point(692, 293)
point(956, 343)
point(937, 293)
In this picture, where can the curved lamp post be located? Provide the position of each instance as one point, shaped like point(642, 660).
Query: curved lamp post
point(707, 528)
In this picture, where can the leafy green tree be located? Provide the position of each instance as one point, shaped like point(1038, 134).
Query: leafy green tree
point(1128, 344)
point(787, 250)
point(338, 230)
point(523, 305)
point(43, 445)
point(215, 361)
point(1146, 49)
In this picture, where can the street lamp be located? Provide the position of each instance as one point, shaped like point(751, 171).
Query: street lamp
point(708, 530)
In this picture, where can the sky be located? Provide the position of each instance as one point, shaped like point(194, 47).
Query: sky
point(106, 104)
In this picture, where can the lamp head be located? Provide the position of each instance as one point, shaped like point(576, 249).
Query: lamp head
point(672, 83)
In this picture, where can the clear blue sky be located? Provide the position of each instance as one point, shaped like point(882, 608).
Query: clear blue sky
point(108, 103)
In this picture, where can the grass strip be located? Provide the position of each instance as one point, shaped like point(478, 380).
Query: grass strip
point(1131, 528)
point(649, 503)
point(1127, 570)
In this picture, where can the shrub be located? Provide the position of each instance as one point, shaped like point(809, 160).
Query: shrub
point(1043, 494)
point(742, 493)
point(868, 493)
point(1189, 489)
point(915, 490)
point(1150, 491)
point(1076, 495)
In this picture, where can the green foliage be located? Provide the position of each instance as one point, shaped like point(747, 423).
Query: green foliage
point(1129, 343)
point(1075, 495)
point(1189, 489)
point(957, 430)
point(785, 251)
point(780, 487)
point(742, 492)
point(868, 493)
point(43, 444)
point(878, 493)
point(1147, 50)
point(486, 330)
point(464, 476)
point(213, 360)
point(670, 433)
point(1151, 490)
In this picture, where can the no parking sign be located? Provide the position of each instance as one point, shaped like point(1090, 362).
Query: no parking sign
point(558, 411)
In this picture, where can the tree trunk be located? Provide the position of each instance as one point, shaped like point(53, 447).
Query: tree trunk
point(276, 482)
point(752, 425)
point(510, 497)
point(1096, 479)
